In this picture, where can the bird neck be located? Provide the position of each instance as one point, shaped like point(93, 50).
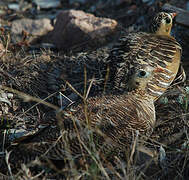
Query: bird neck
point(163, 33)
point(164, 30)
point(140, 94)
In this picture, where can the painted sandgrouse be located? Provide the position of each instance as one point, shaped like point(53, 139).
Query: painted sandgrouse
point(113, 119)
point(157, 49)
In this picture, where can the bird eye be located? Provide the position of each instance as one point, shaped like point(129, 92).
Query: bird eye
point(142, 74)
point(167, 20)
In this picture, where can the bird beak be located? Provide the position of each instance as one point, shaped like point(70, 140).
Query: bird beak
point(173, 15)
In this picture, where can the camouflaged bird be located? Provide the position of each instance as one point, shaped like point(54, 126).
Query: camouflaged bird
point(116, 117)
point(157, 49)
point(146, 64)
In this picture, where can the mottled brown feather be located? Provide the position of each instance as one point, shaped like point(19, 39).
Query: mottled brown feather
point(116, 116)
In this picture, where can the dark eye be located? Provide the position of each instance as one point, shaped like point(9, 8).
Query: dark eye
point(142, 74)
point(167, 20)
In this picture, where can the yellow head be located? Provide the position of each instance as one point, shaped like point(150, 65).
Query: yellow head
point(162, 23)
point(139, 77)
point(146, 80)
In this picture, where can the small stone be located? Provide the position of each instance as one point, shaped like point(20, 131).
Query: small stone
point(163, 100)
point(3, 95)
point(14, 6)
point(187, 89)
point(181, 99)
point(74, 28)
point(5, 100)
point(78, 1)
point(47, 46)
point(34, 28)
point(2, 11)
point(46, 4)
point(16, 133)
point(162, 157)
point(10, 95)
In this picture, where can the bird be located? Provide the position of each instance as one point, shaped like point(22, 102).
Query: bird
point(156, 48)
point(115, 121)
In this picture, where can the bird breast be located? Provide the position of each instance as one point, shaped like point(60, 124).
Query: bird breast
point(117, 116)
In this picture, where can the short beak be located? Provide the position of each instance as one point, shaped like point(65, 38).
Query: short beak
point(173, 15)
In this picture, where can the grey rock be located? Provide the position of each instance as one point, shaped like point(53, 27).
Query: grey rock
point(35, 28)
point(14, 6)
point(46, 4)
point(74, 28)
point(79, 1)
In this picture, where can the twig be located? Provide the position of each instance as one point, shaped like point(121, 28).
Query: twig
point(88, 90)
point(74, 90)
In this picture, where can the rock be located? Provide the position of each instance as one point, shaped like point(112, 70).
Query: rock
point(34, 28)
point(46, 4)
point(19, 6)
point(78, 1)
point(182, 17)
point(75, 28)
point(14, 6)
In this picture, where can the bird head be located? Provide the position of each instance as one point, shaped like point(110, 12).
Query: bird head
point(148, 80)
point(139, 77)
point(162, 23)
